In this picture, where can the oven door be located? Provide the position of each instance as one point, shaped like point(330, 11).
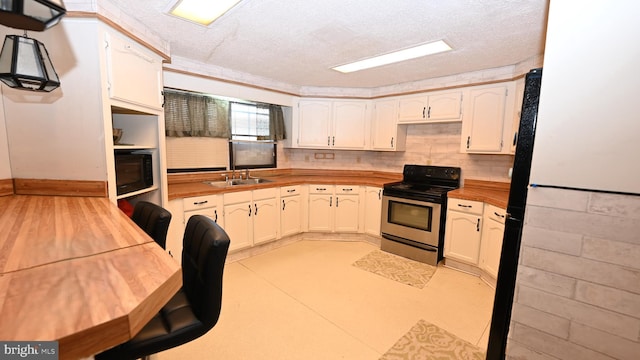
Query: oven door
point(414, 220)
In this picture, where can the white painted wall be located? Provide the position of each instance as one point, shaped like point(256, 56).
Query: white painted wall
point(578, 281)
point(60, 135)
point(5, 163)
point(588, 122)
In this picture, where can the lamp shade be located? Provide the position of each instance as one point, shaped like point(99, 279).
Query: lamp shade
point(35, 15)
point(25, 64)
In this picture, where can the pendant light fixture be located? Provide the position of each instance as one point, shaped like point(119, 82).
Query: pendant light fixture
point(25, 64)
point(34, 15)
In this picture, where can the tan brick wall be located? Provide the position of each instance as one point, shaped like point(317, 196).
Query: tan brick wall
point(578, 286)
point(427, 144)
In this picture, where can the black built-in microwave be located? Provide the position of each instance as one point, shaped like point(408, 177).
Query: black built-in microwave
point(134, 171)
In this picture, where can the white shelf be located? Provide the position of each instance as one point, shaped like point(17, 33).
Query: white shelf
point(133, 147)
point(138, 192)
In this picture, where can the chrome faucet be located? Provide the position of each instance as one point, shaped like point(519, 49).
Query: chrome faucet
point(246, 174)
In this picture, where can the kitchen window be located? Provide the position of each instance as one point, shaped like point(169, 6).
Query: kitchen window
point(253, 135)
point(207, 133)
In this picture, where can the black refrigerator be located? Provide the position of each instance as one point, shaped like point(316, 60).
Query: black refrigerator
point(514, 221)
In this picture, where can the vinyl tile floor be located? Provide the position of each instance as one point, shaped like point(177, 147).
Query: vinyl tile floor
point(306, 300)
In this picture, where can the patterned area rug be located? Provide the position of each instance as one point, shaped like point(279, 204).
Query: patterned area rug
point(427, 341)
point(396, 268)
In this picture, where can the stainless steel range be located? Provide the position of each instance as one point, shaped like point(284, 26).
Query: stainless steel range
point(414, 212)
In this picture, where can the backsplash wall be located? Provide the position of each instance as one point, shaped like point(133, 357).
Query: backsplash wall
point(427, 144)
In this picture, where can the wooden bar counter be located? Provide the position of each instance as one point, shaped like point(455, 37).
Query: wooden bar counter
point(79, 271)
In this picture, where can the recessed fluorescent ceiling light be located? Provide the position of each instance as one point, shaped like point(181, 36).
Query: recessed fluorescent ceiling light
point(397, 56)
point(202, 11)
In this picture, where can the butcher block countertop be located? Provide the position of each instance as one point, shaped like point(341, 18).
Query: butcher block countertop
point(78, 271)
point(492, 192)
point(188, 185)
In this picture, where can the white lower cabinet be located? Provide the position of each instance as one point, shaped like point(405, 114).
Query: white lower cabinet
point(372, 210)
point(334, 208)
point(290, 210)
point(463, 230)
point(251, 217)
point(492, 234)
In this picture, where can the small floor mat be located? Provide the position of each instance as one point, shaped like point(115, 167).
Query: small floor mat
point(427, 341)
point(397, 268)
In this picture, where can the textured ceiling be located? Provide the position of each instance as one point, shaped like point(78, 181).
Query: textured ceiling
point(298, 41)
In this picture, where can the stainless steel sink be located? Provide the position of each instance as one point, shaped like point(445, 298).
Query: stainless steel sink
point(236, 182)
point(221, 183)
point(249, 181)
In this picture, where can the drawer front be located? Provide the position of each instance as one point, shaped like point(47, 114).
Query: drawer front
point(199, 202)
point(466, 206)
point(495, 213)
point(237, 197)
point(347, 189)
point(290, 190)
point(262, 194)
point(320, 189)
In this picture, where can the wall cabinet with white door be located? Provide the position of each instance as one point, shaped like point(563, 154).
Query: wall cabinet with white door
point(431, 107)
point(251, 217)
point(386, 135)
point(463, 230)
point(290, 210)
point(487, 119)
point(334, 208)
point(492, 235)
point(134, 73)
point(325, 124)
point(372, 210)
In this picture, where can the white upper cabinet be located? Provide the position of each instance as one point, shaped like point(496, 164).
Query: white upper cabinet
point(314, 123)
point(325, 124)
point(431, 107)
point(134, 73)
point(386, 135)
point(349, 125)
point(484, 126)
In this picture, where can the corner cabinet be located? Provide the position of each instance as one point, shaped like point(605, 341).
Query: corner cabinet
point(492, 235)
point(132, 101)
point(386, 135)
point(325, 124)
point(485, 128)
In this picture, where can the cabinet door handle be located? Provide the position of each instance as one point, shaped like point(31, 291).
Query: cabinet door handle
point(515, 138)
point(333, 143)
point(291, 190)
point(337, 199)
point(256, 209)
point(328, 140)
point(465, 206)
point(424, 109)
point(429, 113)
point(379, 194)
point(478, 226)
point(392, 143)
point(330, 200)
point(498, 215)
point(347, 189)
point(200, 202)
point(215, 212)
point(282, 204)
point(468, 140)
point(321, 189)
point(249, 210)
